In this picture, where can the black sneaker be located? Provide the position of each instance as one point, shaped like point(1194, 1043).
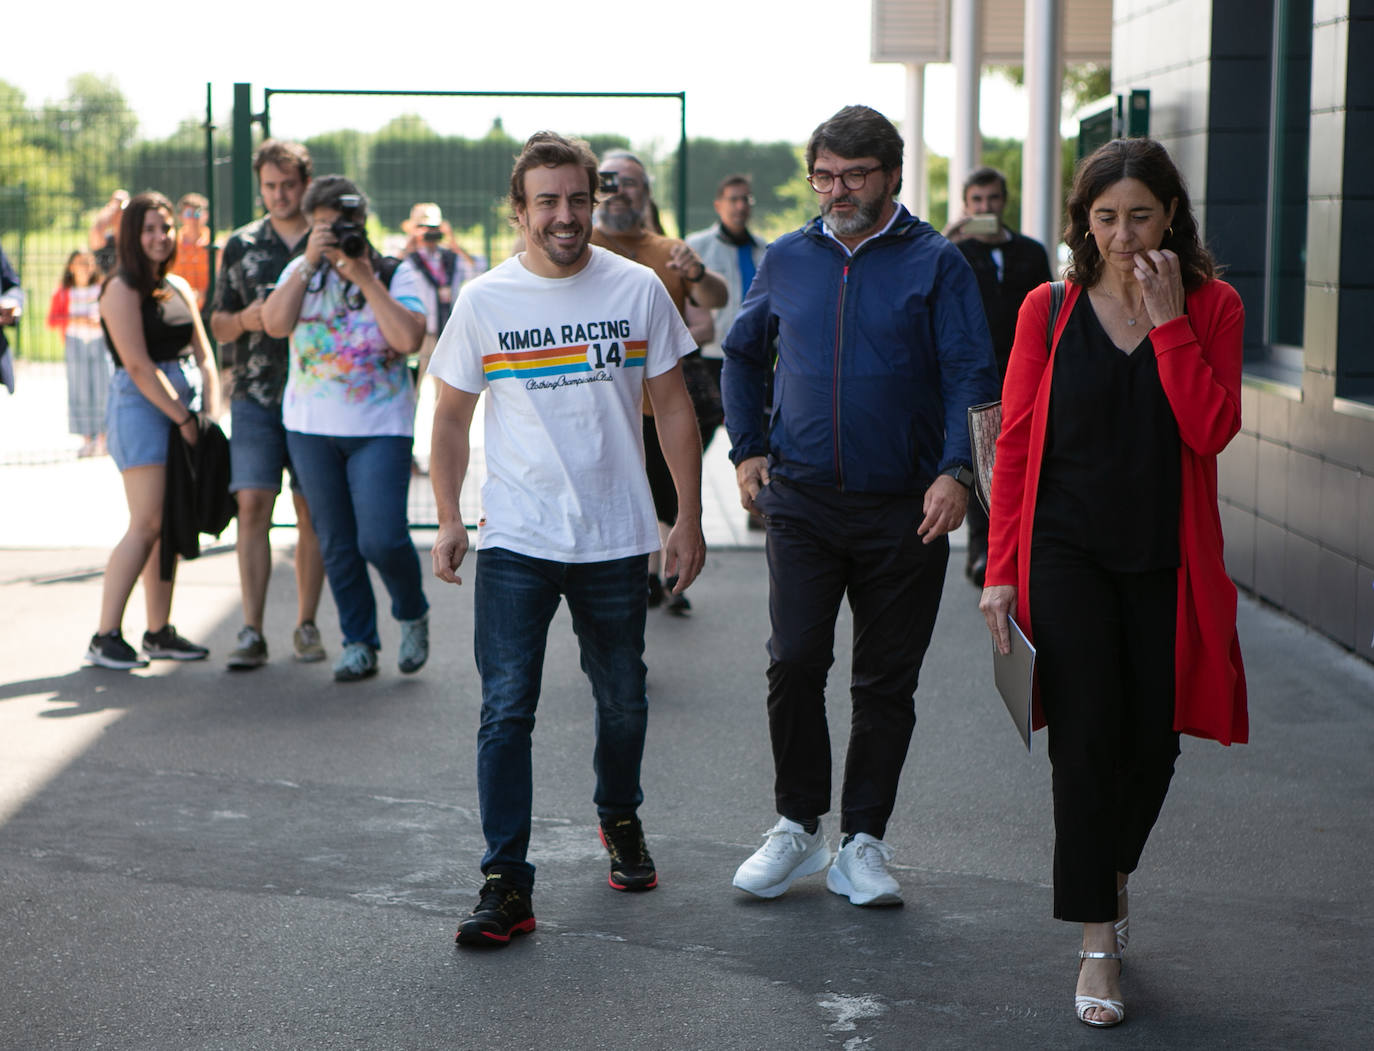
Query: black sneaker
point(655, 591)
point(167, 645)
point(503, 910)
point(111, 651)
point(631, 866)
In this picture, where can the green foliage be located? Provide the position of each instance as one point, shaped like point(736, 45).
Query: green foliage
point(176, 165)
point(770, 165)
point(1084, 82)
point(93, 127)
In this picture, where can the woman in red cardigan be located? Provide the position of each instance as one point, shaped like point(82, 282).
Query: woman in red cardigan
point(1105, 540)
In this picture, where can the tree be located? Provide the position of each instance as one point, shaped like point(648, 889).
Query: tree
point(34, 184)
point(92, 127)
point(1084, 82)
point(770, 166)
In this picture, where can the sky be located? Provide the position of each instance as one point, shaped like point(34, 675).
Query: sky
point(763, 71)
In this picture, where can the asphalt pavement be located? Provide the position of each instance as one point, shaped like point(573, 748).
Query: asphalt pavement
point(192, 858)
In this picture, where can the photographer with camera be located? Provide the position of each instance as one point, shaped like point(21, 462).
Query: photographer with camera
point(353, 317)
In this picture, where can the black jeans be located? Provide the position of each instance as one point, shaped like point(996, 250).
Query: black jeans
point(1105, 661)
point(822, 545)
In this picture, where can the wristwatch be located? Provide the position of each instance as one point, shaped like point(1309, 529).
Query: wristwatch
point(961, 473)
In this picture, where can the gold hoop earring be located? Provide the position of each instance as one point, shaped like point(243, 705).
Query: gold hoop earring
point(1169, 232)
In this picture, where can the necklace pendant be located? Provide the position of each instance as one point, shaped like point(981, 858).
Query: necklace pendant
point(1131, 321)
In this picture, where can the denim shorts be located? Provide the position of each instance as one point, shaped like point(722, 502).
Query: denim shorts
point(257, 448)
point(136, 430)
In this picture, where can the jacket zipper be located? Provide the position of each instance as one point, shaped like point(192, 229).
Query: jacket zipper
point(835, 377)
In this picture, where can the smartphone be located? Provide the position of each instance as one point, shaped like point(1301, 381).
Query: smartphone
point(982, 225)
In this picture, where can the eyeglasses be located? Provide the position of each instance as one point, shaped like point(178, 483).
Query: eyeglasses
point(853, 178)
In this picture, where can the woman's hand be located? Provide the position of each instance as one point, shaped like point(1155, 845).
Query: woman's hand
point(190, 429)
point(1161, 282)
point(321, 238)
point(357, 270)
point(997, 604)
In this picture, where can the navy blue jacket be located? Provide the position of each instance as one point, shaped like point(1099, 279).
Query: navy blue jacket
point(879, 356)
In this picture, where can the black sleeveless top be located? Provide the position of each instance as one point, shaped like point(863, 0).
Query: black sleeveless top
point(1110, 479)
point(167, 327)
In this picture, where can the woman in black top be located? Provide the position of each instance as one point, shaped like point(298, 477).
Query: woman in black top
point(154, 332)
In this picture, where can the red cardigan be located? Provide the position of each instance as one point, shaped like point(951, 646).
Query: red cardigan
point(1199, 357)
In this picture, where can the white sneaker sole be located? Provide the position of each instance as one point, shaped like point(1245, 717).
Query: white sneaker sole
point(809, 867)
point(838, 883)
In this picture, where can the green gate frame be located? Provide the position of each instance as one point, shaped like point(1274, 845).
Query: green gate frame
point(244, 118)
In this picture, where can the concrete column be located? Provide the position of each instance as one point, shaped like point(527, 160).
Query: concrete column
point(1040, 167)
point(914, 192)
point(966, 54)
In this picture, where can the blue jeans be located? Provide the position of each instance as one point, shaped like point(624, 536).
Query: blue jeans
point(356, 489)
point(515, 601)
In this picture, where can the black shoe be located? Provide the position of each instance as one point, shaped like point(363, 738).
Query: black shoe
point(655, 591)
point(167, 645)
point(631, 866)
point(977, 570)
point(678, 605)
point(503, 910)
point(111, 651)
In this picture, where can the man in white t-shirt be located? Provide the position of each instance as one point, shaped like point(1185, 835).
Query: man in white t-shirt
point(564, 339)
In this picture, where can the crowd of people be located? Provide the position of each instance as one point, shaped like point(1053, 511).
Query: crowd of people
point(841, 359)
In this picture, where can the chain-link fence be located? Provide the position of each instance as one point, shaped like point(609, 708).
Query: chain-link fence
point(60, 165)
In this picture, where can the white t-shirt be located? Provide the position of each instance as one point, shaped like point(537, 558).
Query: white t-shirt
point(563, 362)
point(342, 379)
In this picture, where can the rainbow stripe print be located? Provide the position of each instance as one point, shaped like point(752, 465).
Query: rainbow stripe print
point(565, 360)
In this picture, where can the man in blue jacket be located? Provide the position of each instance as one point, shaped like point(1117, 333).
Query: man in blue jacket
point(865, 467)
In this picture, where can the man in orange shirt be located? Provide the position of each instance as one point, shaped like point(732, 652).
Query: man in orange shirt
point(193, 245)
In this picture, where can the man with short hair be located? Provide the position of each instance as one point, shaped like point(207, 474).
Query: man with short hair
point(193, 245)
point(563, 339)
point(626, 223)
point(253, 259)
point(881, 348)
point(1008, 267)
point(732, 251)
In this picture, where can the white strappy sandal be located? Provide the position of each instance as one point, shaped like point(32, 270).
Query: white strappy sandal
point(1083, 1004)
point(1123, 925)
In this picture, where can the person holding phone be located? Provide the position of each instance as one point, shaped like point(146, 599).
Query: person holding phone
point(1008, 266)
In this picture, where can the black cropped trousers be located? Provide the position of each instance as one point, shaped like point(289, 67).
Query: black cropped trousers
point(1105, 663)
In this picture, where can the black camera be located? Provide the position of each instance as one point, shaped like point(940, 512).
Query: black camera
point(348, 228)
point(610, 182)
point(433, 234)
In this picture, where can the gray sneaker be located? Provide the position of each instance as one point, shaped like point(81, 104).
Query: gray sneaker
point(357, 661)
point(414, 648)
point(308, 644)
point(251, 651)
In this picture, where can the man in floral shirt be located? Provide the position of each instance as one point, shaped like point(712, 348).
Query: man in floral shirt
point(253, 258)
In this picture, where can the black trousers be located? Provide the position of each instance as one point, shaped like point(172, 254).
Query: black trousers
point(1105, 661)
point(976, 521)
point(822, 546)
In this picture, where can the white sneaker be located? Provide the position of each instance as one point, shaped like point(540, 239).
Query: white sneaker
point(787, 854)
point(860, 873)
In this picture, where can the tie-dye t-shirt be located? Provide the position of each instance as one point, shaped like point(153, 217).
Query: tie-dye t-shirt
point(343, 380)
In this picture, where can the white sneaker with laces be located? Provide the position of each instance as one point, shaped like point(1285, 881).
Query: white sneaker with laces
point(860, 873)
point(787, 854)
